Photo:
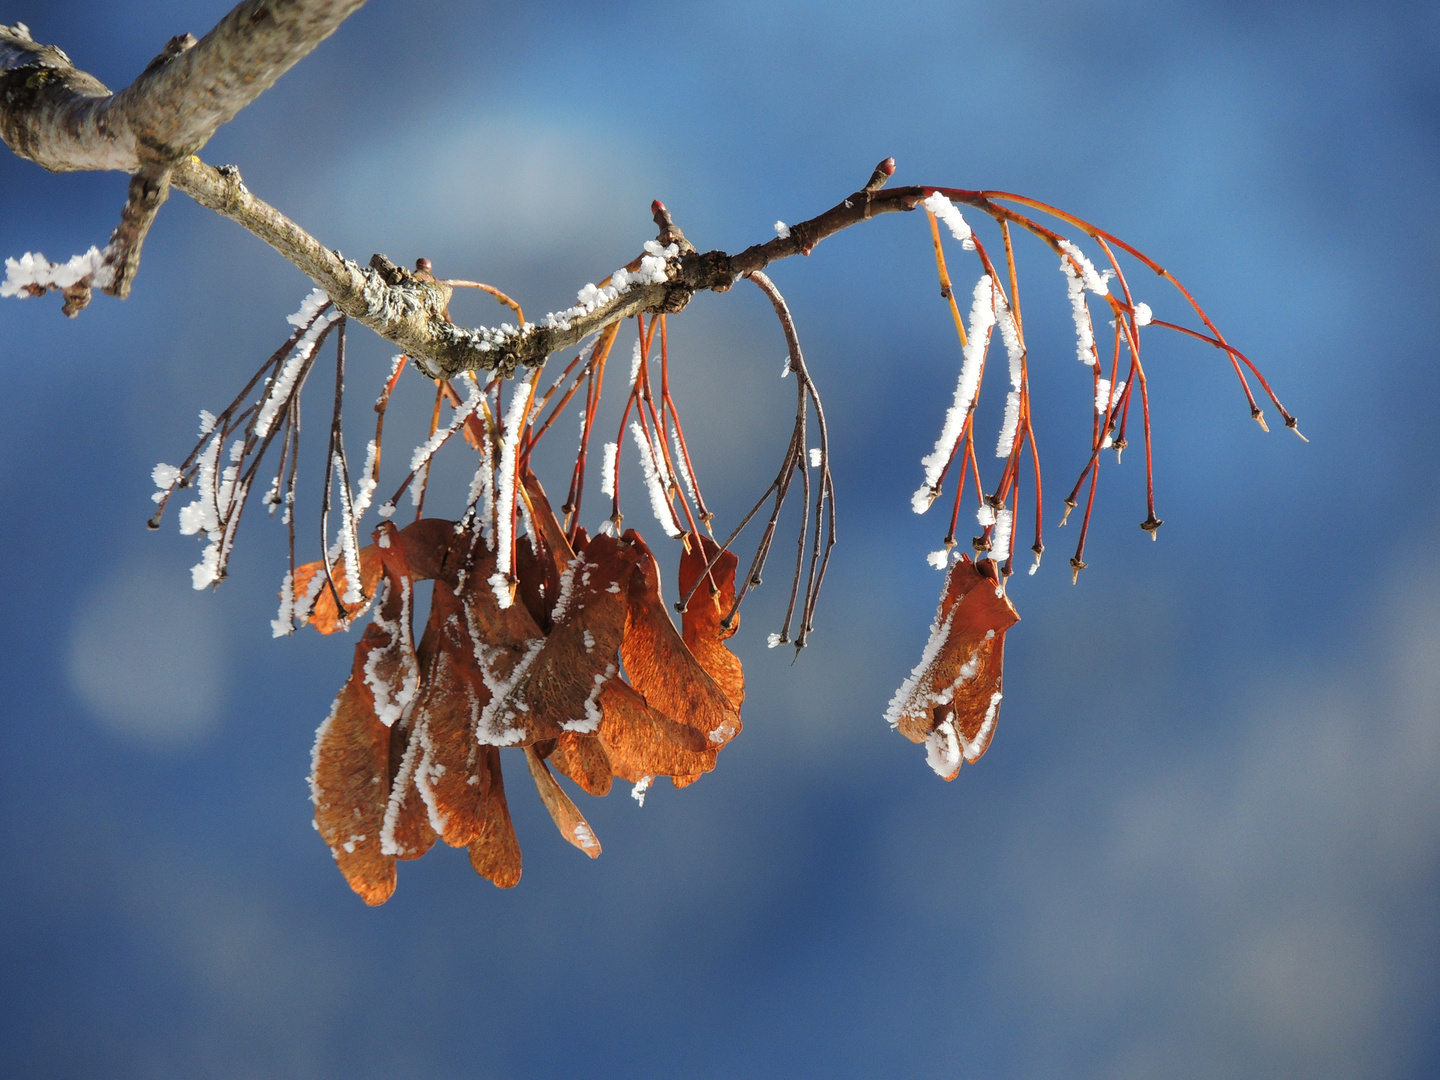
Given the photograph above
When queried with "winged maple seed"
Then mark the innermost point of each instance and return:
(951, 700)
(557, 645)
(410, 751)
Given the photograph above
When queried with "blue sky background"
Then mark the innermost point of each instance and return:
(1206, 839)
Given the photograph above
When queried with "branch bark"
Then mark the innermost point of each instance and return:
(65, 119)
(408, 309)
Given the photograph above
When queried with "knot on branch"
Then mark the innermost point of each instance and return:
(21, 52)
(500, 353)
(389, 272)
(710, 270)
(36, 79)
(391, 294)
(174, 47)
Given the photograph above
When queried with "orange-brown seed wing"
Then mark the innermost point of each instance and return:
(700, 623)
(452, 776)
(393, 676)
(427, 545)
(975, 705)
(315, 603)
(583, 759)
(495, 853)
(350, 781)
(641, 742)
(566, 814)
(505, 643)
(951, 700)
(660, 665)
(351, 773)
(558, 689)
(407, 833)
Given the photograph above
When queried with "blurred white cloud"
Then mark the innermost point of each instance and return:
(509, 186)
(147, 656)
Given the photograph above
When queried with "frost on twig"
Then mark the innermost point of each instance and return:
(34, 275)
(111, 268)
(982, 320)
(953, 220)
(222, 487)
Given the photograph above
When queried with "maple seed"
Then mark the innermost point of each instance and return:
(951, 701)
(1076, 565)
(1070, 504)
(1258, 415)
(1152, 526)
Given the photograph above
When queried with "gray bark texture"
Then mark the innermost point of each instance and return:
(64, 119)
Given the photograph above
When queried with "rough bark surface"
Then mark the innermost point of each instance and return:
(65, 119)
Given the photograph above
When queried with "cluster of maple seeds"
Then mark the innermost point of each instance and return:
(411, 749)
(531, 620)
(527, 636)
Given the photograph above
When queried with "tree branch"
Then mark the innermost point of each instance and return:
(174, 107)
(64, 119)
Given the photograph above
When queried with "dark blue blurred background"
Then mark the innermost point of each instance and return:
(1206, 841)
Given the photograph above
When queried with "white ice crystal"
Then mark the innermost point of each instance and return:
(982, 320)
(505, 495)
(607, 469)
(657, 478)
(945, 210)
(34, 270)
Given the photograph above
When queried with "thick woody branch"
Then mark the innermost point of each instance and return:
(63, 119)
(174, 107)
(55, 115)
